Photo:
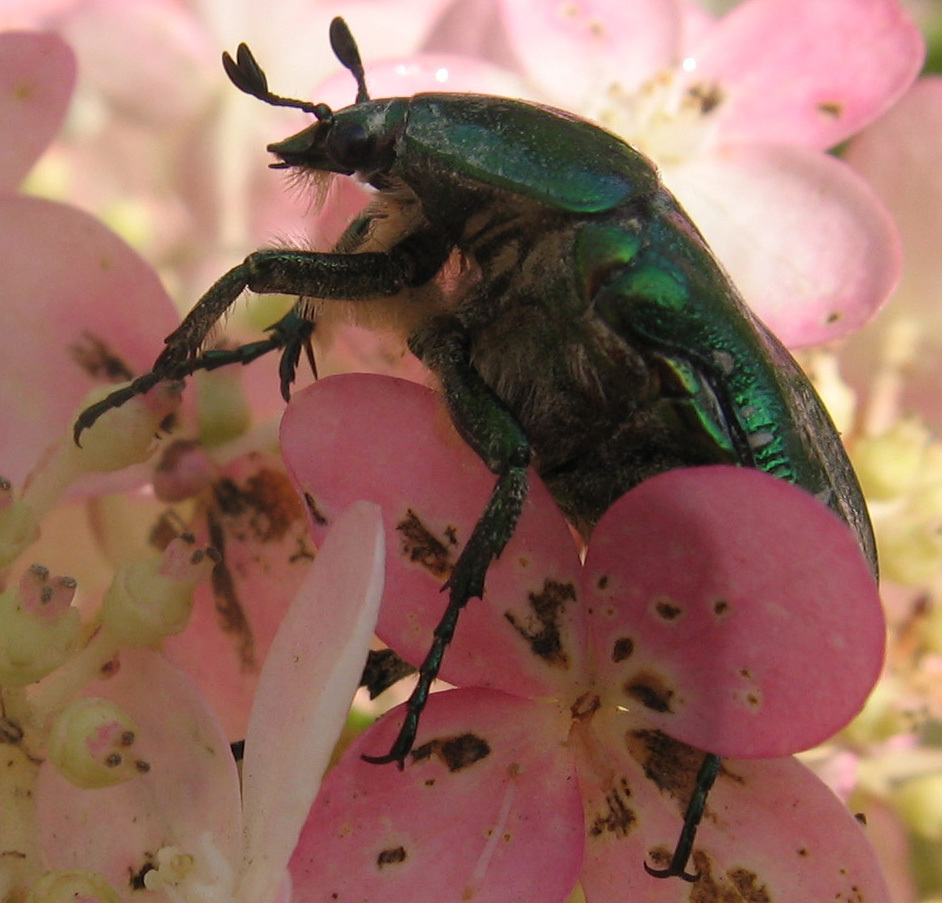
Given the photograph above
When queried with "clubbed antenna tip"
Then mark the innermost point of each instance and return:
(346, 50)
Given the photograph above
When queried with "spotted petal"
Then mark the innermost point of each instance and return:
(807, 73)
(771, 831)
(733, 610)
(806, 241)
(390, 441)
(189, 798)
(487, 809)
(79, 307)
(37, 74)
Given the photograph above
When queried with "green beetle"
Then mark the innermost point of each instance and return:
(589, 330)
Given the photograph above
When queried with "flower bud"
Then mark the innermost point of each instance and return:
(224, 410)
(150, 600)
(92, 744)
(126, 435)
(39, 628)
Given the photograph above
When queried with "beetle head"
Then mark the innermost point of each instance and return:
(357, 138)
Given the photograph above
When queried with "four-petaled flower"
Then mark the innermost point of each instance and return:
(717, 609)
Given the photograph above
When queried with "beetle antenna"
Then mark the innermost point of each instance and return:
(346, 50)
(246, 74)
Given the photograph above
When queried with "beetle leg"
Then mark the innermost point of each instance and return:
(677, 868)
(370, 275)
(495, 435)
(311, 274)
(291, 334)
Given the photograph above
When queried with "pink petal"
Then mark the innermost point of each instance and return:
(487, 809)
(304, 693)
(806, 72)
(37, 74)
(81, 306)
(189, 795)
(258, 524)
(806, 241)
(391, 441)
(899, 156)
(695, 25)
(734, 611)
(772, 831)
(163, 52)
(574, 51)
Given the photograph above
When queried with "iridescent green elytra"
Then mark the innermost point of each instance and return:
(588, 332)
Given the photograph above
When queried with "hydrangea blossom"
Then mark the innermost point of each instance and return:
(717, 608)
(737, 113)
(184, 829)
(87, 311)
(235, 188)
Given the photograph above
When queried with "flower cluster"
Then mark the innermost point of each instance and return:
(715, 610)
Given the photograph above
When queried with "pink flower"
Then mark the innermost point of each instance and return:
(70, 286)
(81, 311)
(182, 828)
(737, 114)
(717, 608)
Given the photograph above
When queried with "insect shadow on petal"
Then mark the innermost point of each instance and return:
(591, 333)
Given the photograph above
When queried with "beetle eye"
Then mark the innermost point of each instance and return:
(351, 145)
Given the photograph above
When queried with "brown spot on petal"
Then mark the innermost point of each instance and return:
(456, 753)
(618, 817)
(660, 857)
(392, 856)
(542, 628)
(383, 669)
(97, 359)
(831, 108)
(314, 510)
(670, 764)
(622, 648)
(602, 582)
(650, 690)
(263, 508)
(226, 598)
(667, 609)
(136, 877)
(748, 886)
(422, 547)
(721, 608)
(706, 97)
(737, 885)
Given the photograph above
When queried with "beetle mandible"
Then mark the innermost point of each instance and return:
(590, 333)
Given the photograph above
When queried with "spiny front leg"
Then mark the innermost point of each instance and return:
(311, 274)
(495, 435)
(179, 357)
